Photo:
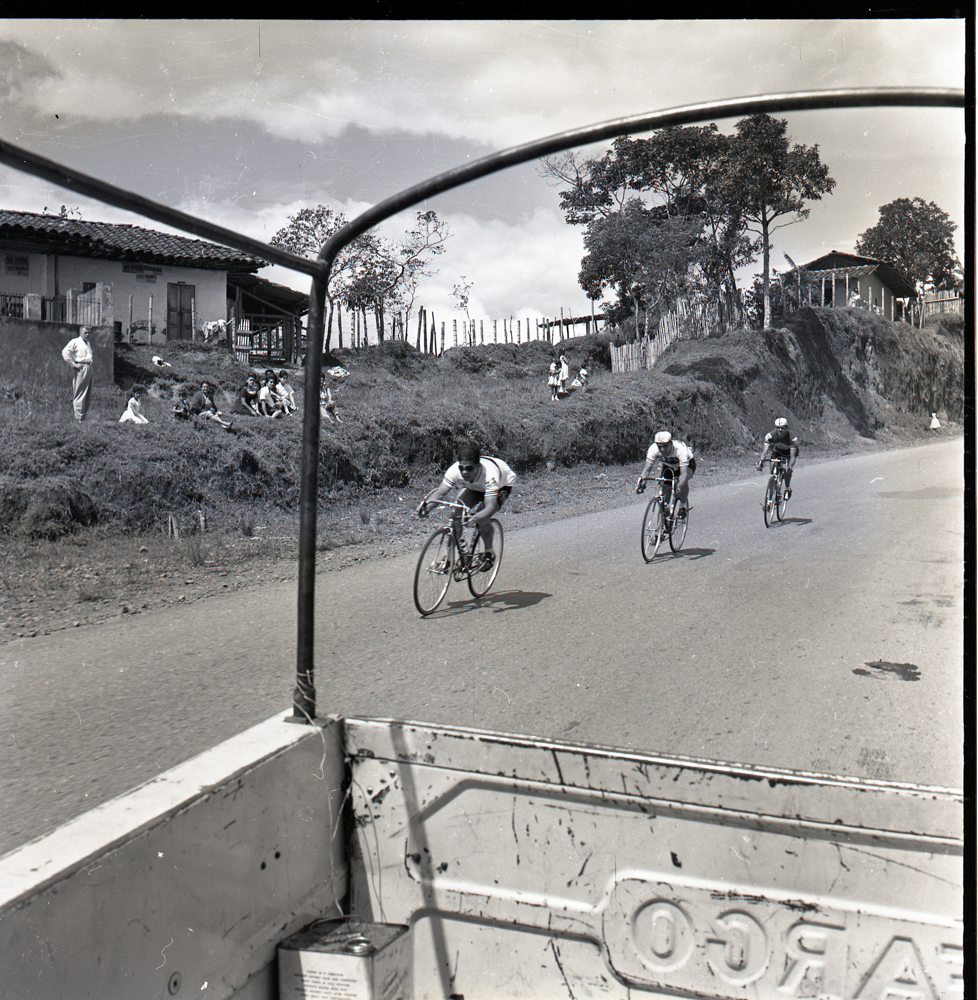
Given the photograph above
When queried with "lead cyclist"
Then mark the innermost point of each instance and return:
(485, 483)
(678, 464)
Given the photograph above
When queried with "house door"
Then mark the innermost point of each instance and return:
(179, 311)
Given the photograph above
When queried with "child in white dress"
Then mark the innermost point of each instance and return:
(134, 412)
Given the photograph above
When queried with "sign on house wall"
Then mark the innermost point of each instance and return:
(147, 273)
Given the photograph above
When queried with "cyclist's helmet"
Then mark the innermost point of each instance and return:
(663, 437)
(781, 422)
(469, 453)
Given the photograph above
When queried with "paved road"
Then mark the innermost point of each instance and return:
(829, 642)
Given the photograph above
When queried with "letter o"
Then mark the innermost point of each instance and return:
(662, 935)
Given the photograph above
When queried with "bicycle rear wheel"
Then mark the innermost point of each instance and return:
(770, 502)
(433, 573)
(678, 532)
(653, 529)
(782, 498)
(480, 580)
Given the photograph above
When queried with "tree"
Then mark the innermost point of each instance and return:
(645, 260)
(771, 179)
(460, 293)
(390, 278)
(918, 238)
(370, 271)
(677, 174)
(305, 234)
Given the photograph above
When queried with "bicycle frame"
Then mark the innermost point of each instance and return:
(304, 696)
(461, 519)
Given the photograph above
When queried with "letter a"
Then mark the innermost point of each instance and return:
(898, 975)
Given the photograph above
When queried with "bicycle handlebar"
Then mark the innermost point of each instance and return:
(451, 504)
(640, 488)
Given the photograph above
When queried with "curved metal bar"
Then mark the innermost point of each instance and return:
(75, 180)
(305, 694)
(811, 100)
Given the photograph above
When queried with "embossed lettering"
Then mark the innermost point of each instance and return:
(739, 951)
(817, 957)
(898, 975)
(663, 935)
(954, 957)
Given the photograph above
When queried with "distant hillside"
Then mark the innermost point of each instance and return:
(838, 374)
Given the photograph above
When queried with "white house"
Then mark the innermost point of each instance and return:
(163, 287)
(845, 278)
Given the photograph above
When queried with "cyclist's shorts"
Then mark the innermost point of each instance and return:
(472, 497)
(672, 471)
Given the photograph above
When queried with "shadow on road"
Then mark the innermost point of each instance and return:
(790, 520)
(505, 600)
(683, 554)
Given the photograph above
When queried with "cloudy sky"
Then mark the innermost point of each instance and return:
(245, 122)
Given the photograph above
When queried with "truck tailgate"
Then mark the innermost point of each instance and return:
(529, 868)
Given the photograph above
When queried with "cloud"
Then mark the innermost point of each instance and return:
(495, 82)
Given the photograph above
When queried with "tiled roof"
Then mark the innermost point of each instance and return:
(892, 277)
(280, 296)
(113, 241)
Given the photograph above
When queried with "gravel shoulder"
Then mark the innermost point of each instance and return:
(89, 578)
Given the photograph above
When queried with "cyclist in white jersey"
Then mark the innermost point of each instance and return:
(485, 484)
(678, 464)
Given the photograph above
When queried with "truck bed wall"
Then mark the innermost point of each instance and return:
(523, 868)
(185, 886)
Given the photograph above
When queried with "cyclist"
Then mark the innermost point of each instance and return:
(780, 443)
(678, 464)
(485, 484)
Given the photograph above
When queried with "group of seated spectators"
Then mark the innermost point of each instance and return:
(274, 398)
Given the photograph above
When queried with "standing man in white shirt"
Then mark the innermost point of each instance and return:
(78, 355)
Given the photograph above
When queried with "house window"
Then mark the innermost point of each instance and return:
(18, 265)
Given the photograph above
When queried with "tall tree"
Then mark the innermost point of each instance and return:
(370, 272)
(307, 231)
(390, 278)
(771, 179)
(918, 238)
(676, 174)
(648, 261)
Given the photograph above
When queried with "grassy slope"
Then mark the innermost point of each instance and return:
(839, 374)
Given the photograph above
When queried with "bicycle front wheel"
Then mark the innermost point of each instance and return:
(782, 499)
(653, 529)
(678, 532)
(480, 579)
(770, 502)
(433, 573)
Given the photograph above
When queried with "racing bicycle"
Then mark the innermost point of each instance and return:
(662, 520)
(776, 495)
(449, 555)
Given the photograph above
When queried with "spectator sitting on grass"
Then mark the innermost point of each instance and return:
(269, 404)
(133, 413)
(285, 392)
(327, 408)
(202, 404)
(247, 399)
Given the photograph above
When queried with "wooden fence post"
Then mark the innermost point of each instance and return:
(495, 337)
(482, 333)
(443, 337)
